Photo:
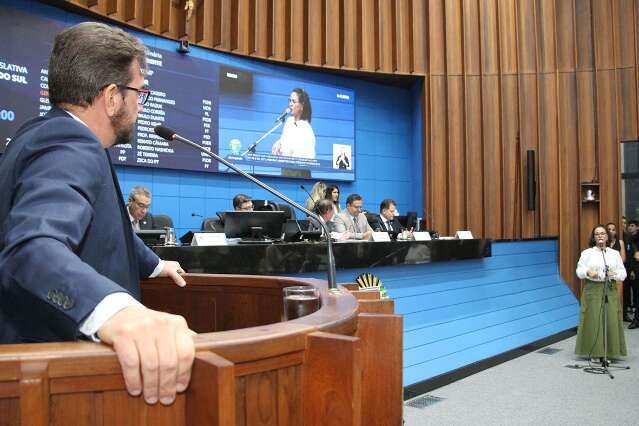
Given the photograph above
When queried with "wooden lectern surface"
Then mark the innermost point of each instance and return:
(250, 368)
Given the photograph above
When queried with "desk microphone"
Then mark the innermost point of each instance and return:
(170, 135)
(196, 215)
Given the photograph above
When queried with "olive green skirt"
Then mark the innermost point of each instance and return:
(590, 342)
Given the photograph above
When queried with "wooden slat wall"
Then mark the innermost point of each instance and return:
(558, 77)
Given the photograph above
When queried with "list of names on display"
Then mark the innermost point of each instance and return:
(184, 100)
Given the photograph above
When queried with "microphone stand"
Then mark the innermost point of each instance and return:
(605, 364)
(257, 142)
(164, 133)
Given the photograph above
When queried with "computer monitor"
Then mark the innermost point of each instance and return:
(254, 225)
(152, 237)
(300, 230)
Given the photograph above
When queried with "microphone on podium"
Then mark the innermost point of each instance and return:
(170, 135)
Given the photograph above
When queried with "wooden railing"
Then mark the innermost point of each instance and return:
(338, 366)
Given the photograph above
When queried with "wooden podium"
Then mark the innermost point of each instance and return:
(341, 365)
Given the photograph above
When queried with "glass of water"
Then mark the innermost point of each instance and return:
(300, 301)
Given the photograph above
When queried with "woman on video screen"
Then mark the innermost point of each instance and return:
(298, 138)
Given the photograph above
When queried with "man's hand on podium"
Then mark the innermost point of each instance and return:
(174, 271)
(155, 350)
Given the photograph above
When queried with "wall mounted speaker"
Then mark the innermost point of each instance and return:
(531, 185)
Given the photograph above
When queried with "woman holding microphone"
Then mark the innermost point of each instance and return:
(600, 266)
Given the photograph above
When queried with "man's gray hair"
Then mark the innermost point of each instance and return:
(138, 190)
(88, 57)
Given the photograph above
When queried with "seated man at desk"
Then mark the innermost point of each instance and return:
(138, 206)
(352, 220)
(242, 202)
(386, 220)
(326, 211)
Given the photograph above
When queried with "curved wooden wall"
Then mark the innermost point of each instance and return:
(502, 77)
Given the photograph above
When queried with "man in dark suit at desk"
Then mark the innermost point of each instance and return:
(138, 206)
(352, 221)
(386, 220)
(70, 263)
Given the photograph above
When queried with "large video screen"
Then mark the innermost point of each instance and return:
(265, 123)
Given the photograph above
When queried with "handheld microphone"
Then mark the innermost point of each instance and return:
(170, 135)
(283, 115)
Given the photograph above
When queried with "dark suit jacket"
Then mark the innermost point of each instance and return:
(148, 223)
(379, 224)
(66, 238)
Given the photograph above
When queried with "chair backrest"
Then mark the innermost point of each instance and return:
(371, 218)
(212, 224)
(161, 221)
(264, 205)
(290, 212)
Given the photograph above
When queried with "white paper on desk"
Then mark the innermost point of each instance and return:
(381, 236)
(421, 236)
(201, 239)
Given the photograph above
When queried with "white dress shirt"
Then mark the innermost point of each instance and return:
(596, 259)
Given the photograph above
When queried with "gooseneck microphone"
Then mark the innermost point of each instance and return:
(309, 194)
(283, 115)
(170, 135)
(196, 215)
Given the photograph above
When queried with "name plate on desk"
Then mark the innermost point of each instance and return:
(381, 236)
(208, 239)
(464, 235)
(421, 236)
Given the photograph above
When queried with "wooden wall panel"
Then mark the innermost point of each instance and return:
(489, 38)
(474, 155)
(457, 159)
(569, 189)
(549, 178)
(438, 163)
(454, 48)
(472, 58)
(607, 146)
(507, 37)
(491, 135)
(585, 54)
(564, 11)
(526, 37)
(562, 75)
(436, 38)
(529, 140)
(545, 15)
(624, 33)
(404, 46)
(603, 34)
(511, 159)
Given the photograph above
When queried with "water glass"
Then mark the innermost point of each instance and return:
(300, 301)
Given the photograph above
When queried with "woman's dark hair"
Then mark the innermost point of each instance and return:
(302, 97)
(592, 241)
(88, 57)
(329, 192)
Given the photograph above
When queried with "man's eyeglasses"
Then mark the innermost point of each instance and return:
(143, 94)
(142, 205)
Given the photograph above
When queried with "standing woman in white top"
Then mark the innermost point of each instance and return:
(298, 138)
(595, 264)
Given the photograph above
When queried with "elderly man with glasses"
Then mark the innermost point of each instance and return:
(138, 206)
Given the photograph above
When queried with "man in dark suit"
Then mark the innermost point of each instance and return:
(138, 205)
(386, 220)
(70, 263)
